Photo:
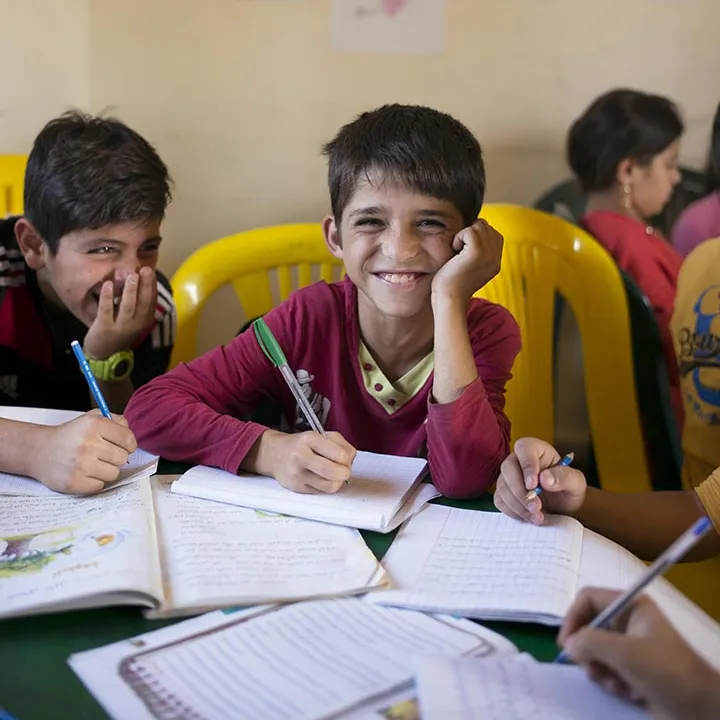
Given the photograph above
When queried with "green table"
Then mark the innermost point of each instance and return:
(36, 682)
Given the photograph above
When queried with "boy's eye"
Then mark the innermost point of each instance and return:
(369, 222)
(432, 224)
(150, 247)
(103, 250)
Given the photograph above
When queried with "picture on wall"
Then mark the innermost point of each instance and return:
(408, 27)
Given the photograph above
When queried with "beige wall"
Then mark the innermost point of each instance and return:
(238, 95)
(43, 65)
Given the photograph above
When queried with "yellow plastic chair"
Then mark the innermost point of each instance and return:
(544, 254)
(12, 179)
(250, 262)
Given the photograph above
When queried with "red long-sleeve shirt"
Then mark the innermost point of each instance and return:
(654, 265)
(193, 412)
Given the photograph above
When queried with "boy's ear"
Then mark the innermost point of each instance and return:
(31, 245)
(332, 236)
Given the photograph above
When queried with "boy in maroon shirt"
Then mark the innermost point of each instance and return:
(397, 358)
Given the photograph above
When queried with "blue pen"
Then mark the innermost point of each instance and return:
(5, 715)
(673, 554)
(567, 460)
(91, 381)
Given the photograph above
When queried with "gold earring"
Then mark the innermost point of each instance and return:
(627, 197)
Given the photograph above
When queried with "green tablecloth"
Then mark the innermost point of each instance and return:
(37, 683)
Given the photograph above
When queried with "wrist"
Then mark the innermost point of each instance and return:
(448, 301)
(38, 436)
(265, 453)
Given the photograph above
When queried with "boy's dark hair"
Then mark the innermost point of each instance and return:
(419, 148)
(86, 172)
(712, 173)
(620, 125)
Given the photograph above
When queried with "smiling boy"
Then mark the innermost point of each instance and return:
(400, 358)
(80, 265)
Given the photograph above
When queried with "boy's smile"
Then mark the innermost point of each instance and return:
(71, 279)
(392, 241)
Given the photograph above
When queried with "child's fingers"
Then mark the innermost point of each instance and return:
(506, 503)
(333, 447)
(128, 299)
(147, 291)
(534, 455)
(317, 484)
(326, 469)
(106, 312)
(512, 477)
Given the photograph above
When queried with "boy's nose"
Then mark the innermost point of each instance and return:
(122, 273)
(400, 246)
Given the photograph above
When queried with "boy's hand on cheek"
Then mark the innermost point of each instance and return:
(114, 331)
(310, 463)
(479, 252)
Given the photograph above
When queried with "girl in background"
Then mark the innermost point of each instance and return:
(701, 220)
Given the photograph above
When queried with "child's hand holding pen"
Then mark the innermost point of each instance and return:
(309, 462)
(303, 462)
(534, 478)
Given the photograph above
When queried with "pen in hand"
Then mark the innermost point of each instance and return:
(91, 381)
(270, 346)
(567, 460)
(673, 554)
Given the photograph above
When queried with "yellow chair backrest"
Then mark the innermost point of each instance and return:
(543, 255)
(12, 179)
(253, 262)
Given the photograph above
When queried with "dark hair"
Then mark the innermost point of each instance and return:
(712, 174)
(620, 125)
(417, 147)
(86, 172)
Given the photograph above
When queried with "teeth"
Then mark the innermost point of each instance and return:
(398, 278)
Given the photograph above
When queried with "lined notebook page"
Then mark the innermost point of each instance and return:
(217, 555)
(483, 565)
(606, 564)
(513, 688)
(303, 661)
(377, 490)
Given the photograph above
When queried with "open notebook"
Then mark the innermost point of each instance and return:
(383, 491)
(143, 545)
(487, 566)
(513, 687)
(140, 464)
(316, 659)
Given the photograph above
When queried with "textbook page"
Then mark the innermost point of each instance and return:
(63, 552)
(140, 463)
(513, 688)
(215, 555)
(378, 488)
(309, 660)
(604, 563)
(483, 565)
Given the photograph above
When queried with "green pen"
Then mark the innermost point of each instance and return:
(270, 346)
